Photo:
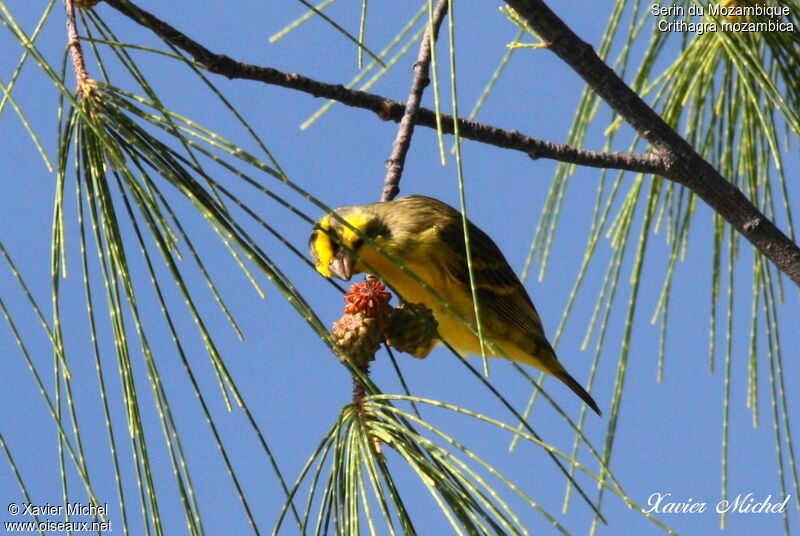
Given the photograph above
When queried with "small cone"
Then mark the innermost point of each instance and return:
(359, 336)
(369, 297)
(366, 313)
(413, 330)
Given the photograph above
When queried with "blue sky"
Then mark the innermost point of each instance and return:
(668, 438)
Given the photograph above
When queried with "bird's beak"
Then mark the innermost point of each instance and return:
(342, 265)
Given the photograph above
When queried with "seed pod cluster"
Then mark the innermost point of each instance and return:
(368, 319)
(413, 330)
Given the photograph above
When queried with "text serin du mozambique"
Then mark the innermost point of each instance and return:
(719, 10)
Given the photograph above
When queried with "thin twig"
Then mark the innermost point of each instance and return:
(81, 76)
(402, 141)
(360, 393)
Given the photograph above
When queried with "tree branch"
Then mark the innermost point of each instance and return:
(421, 80)
(390, 109)
(684, 165)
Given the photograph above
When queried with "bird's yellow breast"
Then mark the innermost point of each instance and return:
(427, 263)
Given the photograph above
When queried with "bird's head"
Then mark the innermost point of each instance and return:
(334, 244)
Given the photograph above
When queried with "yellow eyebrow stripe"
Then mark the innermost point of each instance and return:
(323, 246)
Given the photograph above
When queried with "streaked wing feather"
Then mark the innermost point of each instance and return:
(499, 288)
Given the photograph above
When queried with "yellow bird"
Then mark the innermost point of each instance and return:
(426, 235)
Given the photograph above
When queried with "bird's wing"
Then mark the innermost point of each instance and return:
(498, 288)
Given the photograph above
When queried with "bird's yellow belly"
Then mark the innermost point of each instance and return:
(451, 326)
(496, 343)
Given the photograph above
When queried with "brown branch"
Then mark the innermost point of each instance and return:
(683, 164)
(389, 109)
(406, 129)
(81, 76)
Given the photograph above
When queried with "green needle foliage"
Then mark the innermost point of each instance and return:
(349, 478)
(730, 94)
(133, 177)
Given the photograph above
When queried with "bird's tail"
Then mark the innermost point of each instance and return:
(542, 356)
(577, 388)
